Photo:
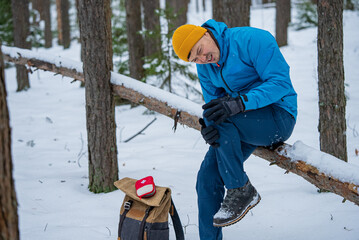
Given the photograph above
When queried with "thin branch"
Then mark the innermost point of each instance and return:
(81, 153)
(109, 231)
(140, 132)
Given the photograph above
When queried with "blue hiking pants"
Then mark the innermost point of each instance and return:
(223, 166)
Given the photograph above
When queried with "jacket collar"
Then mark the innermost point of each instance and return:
(217, 32)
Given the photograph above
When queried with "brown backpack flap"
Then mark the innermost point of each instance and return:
(127, 185)
(161, 201)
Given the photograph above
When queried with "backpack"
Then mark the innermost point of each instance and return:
(146, 218)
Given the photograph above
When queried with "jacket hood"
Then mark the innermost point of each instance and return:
(218, 30)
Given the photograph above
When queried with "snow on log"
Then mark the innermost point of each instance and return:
(166, 103)
(321, 169)
(57, 64)
(318, 168)
(151, 97)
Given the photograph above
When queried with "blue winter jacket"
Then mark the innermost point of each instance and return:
(251, 65)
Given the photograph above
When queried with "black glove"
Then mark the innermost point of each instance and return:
(209, 134)
(220, 109)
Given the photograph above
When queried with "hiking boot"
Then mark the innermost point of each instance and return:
(236, 204)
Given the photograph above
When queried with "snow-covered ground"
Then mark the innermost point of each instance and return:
(50, 155)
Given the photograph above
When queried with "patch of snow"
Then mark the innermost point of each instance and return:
(324, 162)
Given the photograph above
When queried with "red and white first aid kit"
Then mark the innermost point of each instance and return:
(145, 187)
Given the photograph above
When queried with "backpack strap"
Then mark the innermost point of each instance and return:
(177, 225)
(127, 207)
(143, 223)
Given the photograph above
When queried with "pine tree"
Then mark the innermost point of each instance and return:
(234, 13)
(20, 17)
(119, 37)
(63, 23)
(282, 20)
(136, 46)
(332, 101)
(9, 228)
(307, 15)
(95, 30)
(6, 25)
(165, 64)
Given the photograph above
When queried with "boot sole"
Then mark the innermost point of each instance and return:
(231, 222)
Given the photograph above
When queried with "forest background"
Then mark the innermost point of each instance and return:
(49, 136)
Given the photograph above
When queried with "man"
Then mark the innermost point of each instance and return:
(250, 102)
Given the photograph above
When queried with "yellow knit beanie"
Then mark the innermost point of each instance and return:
(184, 38)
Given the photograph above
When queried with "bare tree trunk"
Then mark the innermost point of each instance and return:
(152, 24)
(180, 9)
(8, 218)
(46, 16)
(63, 23)
(78, 22)
(95, 29)
(217, 11)
(332, 101)
(282, 21)
(244, 14)
(135, 40)
(20, 15)
(43, 7)
(37, 5)
(82, 49)
(232, 12)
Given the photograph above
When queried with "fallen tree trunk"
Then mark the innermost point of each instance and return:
(348, 190)
(126, 93)
(45, 65)
(310, 173)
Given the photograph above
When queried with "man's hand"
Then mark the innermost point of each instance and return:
(209, 134)
(220, 109)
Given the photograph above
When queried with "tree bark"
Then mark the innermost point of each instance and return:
(20, 15)
(8, 218)
(152, 24)
(95, 29)
(282, 21)
(43, 7)
(217, 11)
(46, 16)
(136, 46)
(63, 23)
(332, 101)
(310, 173)
(77, 18)
(179, 9)
(232, 12)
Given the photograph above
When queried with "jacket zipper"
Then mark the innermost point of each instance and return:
(223, 77)
(215, 40)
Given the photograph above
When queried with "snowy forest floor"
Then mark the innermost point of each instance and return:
(49, 152)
